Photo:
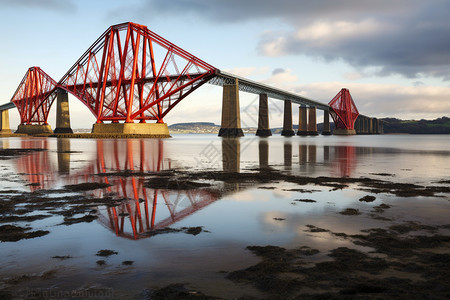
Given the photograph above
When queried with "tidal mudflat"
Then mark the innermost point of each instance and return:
(200, 217)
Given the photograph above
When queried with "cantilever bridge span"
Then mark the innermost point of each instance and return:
(130, 76)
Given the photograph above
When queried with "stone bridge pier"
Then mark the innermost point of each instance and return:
(231, 121)
(62, 112)
(231, 115)
(367, 125)
(4, 122)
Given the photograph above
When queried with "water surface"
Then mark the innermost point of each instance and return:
(242, 214)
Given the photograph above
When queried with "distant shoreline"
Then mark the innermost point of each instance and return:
(390, 125)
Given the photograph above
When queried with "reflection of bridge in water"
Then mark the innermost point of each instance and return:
(126, 165)
(36, 167)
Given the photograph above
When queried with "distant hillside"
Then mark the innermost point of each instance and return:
(437, 126)
(391, 125)
(194, 127)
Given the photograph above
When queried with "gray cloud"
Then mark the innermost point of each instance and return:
(278, 71)
(407, 37)
(55, 5)
(238, 10)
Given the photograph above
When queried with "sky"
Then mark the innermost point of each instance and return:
(393, 56)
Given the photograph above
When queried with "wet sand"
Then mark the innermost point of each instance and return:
(400, 260)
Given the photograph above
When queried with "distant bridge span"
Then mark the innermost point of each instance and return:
(246, 85)
(130, 74)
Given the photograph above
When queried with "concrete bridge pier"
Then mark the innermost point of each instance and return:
(231, 116)
(358, 125)
(302, 121)
(4, 122)
(62, 112)
(263, 117)
(312, 123)
(32, 129)
(376, 126)
(370, 123)
(364, 125)
(287, 120)
(326, 123)
(367, 125)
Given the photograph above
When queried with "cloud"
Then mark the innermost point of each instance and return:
(278, 71)
(232, 11)
(55, 5)
(353, 75)
(407, 37)
(413, 43)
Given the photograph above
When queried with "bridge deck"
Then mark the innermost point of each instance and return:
(249, 86)
(6, 106)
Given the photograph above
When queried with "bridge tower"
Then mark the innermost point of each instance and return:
(131, 76)
(33, 98)
(344, 113)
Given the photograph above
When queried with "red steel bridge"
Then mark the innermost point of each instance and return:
(132, 75)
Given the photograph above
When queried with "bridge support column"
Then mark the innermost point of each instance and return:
(312, 123)
(358, 125)
(302, 121)
(381, 127)
(326, 123)
(370, 121)
(231, 117)
(365, 127)
(375, 126)
(4, 122)
(287, 120)
(263, 117)
(34, 129)
(62, 112)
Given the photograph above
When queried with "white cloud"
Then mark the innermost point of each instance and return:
(353, 75)
(326, 32)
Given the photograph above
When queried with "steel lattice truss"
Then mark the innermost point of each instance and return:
(34, 96)
(343, 110)
(131, 73)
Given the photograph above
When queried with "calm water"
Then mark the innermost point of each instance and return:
(246, 215)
